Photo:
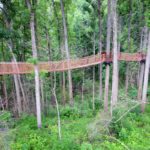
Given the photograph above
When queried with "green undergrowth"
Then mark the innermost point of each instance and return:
(82, 128)
(132, 132)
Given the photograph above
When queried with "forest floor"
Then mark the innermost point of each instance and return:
(81, 129)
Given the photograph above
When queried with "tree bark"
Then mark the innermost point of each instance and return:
(4, 80)
(67, 53)
(93, 101)
(36, 68)
(100, 50)
(129, 47)
(142, 64)
(119, 33)
(62, 75)
(141, 77)
(146, 76)
(17, 80)
(106, 92)
(4, 92)
(64, 87)
(82, 90)
(42, 94)
(57, 107)
(114, 96)
(49, 55)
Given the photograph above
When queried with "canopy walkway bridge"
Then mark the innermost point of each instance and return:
(63, 65)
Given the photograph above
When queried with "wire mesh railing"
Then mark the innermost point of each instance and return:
(62, 65)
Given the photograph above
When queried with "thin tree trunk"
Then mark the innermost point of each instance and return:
(67, 53)
(114, 97)
(16, 77)
(62, 75)
(146, 76)
(82, 90)
(27, 97)
(37, 94)
(16, 80)
(64, 87)
(24, 98)
(17, 95)
(142, 68)
(36, 68)
(145, 42)
(100, 50)
(42, 94)
(142, 64)
(63, 78)
(141, 40)
(129, 47)
(58, 24)
(4, 80)
(127, 78)
(5, 92)
(119, 34)
(50, 74)
(49, 55)
(119, 43)
(23, 94)
(93, 101)
(57, 107)
(106, 92)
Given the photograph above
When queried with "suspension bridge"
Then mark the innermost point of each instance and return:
(7, 68)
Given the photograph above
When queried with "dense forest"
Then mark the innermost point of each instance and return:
(101, 105)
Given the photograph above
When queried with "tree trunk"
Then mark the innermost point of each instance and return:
(145, 42)
(119, 33)
(23, 94)
(142, 64)
(37, 94)
(100, 50)
(62, 75)
(82, 90)
(146, 76)
(42, 94)
(115, 57)
(18, 97)
(4, 80)
(106, 92)
(23, 104)
(67, 53)
(63, 78)
(5, 92)
(57, 107)
(141, 77)
(36, 68)
(93, 101)
(64, 87)
(16, 77)
(49, 55)
(127, 78)
(129, 47)
(16, 80)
